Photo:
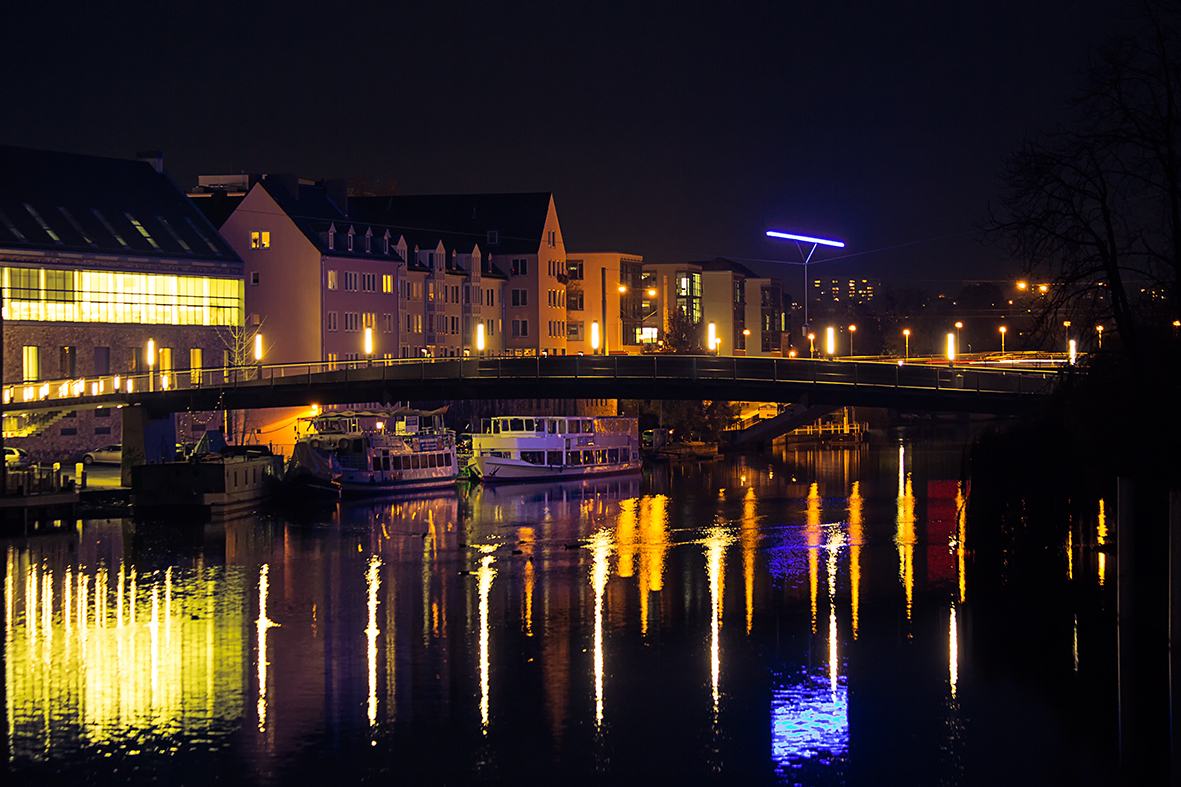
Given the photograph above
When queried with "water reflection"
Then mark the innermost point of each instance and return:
(455, 633)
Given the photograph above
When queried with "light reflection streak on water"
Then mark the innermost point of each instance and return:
(601, 544)
(263, 624)
(953, 651)
(486, 573)
(525, 537)
(373, 582)
(961, 540)
(653, 549)
(1101, 536)
(855, 536)
(1070, 553)
(1076, 643)
(716, 541)
(750, 542)
(904, 536)
(836, 540)
(813, 534)
(808, 718)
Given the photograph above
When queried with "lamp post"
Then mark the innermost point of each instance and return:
(906, 341)
(1099, 330)
(1003, 329)
(958, 325)
(852, 330)
(950, 349)
(595, 337)
(811, 345)
(369, 346)
(258, 353)
(802, 239)
(480, 337)
(712, 334)
(830, 341)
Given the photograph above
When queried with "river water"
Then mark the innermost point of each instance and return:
(805, 618)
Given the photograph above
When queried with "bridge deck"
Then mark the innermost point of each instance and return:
(912, 386)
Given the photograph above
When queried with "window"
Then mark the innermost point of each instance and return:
(260, 240)
(369, 282)
(387, 282)
(67, 365)
(253, 278)
(553, 238)
(140, 229)
(32, 363)
(574, 301)
(575, 331)
(574, 269)
(350, 281)
(196, 363)
(493, 237)
(332, 283)
(165, 354)
(48, 230)
(102, 360)
(352, 321)
(107, 225)
(368, 320)
(455, 326)
(491, 297)
(520, 267)
(135, 364)
(520, 297)
(331, 324)
(520, 328)
(388, 323)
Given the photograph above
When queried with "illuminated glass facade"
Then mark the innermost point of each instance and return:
(48, 295)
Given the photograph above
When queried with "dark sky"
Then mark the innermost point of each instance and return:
(672, 130)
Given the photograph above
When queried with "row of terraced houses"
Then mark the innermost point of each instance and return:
(101, 255)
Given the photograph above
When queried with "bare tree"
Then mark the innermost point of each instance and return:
(1094, 210)
(239, 344)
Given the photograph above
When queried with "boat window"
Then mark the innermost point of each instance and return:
(589, 426)
(553, 457)
(414, 463)
(444, 461)
(551, 426)
(486, 426)
(516, 424)
(496, 426)
(588, 457)
(562, 426)
(575, 426)
(613, 456)
(533, 457)
(528, 424)
(540, 426)
(574, 457)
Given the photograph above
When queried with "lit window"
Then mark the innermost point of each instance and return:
(387, 282)
(48, 230)
(142, 231)
(254, 278)
(175, 236)
(32, 363)
(331, 279)
(107, 225)
(260, 240)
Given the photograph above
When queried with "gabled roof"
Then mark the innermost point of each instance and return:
(723, 264)
(518, 220)
(314, 213)
(90, 205)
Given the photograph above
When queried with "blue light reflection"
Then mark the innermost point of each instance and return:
(808, 718)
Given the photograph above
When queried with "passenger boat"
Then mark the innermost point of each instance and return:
(311, 478)
(217, 486)
(517, 448)
(384, 452)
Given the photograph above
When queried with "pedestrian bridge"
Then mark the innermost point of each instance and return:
(915, 386)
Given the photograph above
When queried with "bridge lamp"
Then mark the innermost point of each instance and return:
(651, 293)
(951, 348)
(712, 334)
(811, 345)
(622, 289)
(803, 239)
(595, 336)
(130, 385)
(1003, 331)
(852, 330)
(480, 337)
(906, 341)
(830, 340)
(1099, 329)
(258, 348)
(1073, 351)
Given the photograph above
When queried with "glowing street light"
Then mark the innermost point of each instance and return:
(830, 340)
(595, 336)
(1099, 330)
(906, 341)
(951, 348)
(852, 330)
(802, 239)
(712, 334)
(480, 337)
(811, 345)
(369, 345)
(958, 325)
(1003, 330)
(1073, 351)
(258, 353)
(1023, 286)
(151, 364)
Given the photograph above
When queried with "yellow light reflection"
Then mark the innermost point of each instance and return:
(855, 537)
(601, 548)
(525, 537)
(904, 536)
(263, 624)
(654, 547)
(813, 534)
(1101, 534)
(373, 581)
(716, 541)
(750, 543)
(485, 574)
(961, 547)
(836, 540)
(953, 651)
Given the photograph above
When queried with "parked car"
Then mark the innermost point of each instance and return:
(16, 457)
(108, 454)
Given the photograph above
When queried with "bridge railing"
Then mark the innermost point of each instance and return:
(657, 367)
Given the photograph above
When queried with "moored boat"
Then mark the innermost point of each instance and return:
(518, 448)
(388, 451)
(209, 485)
(312, 477)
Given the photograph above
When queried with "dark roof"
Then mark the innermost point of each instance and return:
(517, 219)
(723, 264)
(90, 205)
(217, 206)
(315, 213)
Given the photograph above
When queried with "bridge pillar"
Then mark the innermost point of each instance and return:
(147, 439)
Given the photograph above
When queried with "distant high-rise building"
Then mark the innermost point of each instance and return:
(846, 291)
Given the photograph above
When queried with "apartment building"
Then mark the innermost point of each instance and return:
(605, 292)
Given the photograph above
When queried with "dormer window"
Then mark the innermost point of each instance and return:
(369, 241)
(386, 243)
(331, 237)
(351, 233)
(493, 237)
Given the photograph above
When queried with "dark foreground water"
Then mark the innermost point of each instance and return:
(800, 619)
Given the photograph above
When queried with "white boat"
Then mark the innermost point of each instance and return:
(387, 452)
(520, 448)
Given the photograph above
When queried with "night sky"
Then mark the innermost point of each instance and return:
(675, 131)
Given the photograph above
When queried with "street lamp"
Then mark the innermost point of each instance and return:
(595, 337)
(480, 336)
(1099, 330)
(712, 333)
(958, 325)
(811, 345)
(1003, 330)
(906, 341)
(950, 348)
(830, 340)
(852, 330)
(1073, 351)
(258, 353)
(800, 239)
(369, 345)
